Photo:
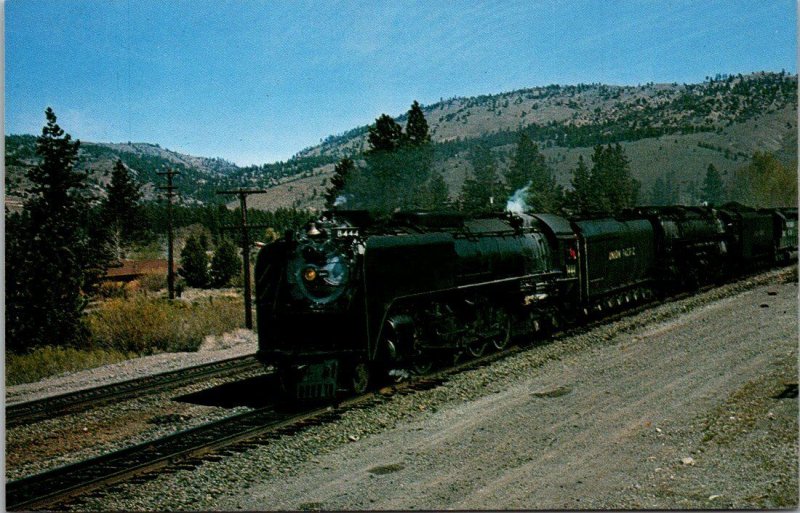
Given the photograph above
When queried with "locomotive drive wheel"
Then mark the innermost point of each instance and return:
(502, 321)
(359, 379)
(422, 365)
(476, 348)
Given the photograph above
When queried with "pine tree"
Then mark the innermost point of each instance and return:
(120, 210)
(398, 165)
(581, 199)
(385, 134)
(225, 264)
(194, 263)
(482, 192)
(526, 158)
(341, 173)
(658, 192)
(417, 126)
(665, 190)
(437, 195)
(713, 188)
(611, 178)
(52, 259)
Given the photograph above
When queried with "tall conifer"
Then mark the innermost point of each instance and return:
(713, 188)
(417, 126)
(46, 291)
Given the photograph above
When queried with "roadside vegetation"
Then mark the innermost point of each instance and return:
(129, 327)
(63, 314)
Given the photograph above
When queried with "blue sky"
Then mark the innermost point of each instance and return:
(257, 81)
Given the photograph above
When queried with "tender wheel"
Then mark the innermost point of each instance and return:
(359, 381)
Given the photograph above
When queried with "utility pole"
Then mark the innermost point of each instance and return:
(169, 173)
(248, 300)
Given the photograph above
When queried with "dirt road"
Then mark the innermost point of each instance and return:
(683, 413)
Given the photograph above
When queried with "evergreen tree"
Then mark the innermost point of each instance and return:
(225, 264)
(527, 160)
(611, 179)
(417, 126)
(194, 263)
(665, 191)
(385, 134)
(482, 192)
(340, 176)
(397, 166)
(658, 192)
(120, 210)
(437, 195)
(713, 188)
(581, 199)
(51, 259)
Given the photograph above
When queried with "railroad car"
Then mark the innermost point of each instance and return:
(617, 262)
(751, 235)
(691, 247)
(785, 232)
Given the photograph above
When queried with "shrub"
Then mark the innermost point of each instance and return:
(50, 361)
(194, 263)
(225, 265)
(148, 325)
(110, 289)
(153, 282)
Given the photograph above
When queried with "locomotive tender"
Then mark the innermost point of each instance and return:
(352, 297)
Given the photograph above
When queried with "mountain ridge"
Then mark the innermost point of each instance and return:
(665, 128)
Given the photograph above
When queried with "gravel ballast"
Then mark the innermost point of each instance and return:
(675, 407)
(214, 348)
(41, 446)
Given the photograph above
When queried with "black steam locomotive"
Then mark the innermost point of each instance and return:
(354, 297)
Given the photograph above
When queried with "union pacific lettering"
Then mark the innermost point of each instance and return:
(621, 253)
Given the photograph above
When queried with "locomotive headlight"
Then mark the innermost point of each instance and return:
(320, 273)
(309, 274)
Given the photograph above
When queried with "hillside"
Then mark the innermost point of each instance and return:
(666, 129)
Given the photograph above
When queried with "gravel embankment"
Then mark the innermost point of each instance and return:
(40, 446)
(676, 407)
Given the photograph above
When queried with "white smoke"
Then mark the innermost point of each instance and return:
(340, 200)
(516, 203)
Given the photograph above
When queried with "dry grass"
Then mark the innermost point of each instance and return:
(122, 329)
(50, 361)
(147, 325)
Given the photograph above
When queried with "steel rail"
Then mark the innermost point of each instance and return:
(81, 400)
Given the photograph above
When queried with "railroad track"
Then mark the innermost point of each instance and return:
(73, 402)
(238, 432)
(241, 431)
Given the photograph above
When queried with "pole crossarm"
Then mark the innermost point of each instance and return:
(231, 227)
(243, 191)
